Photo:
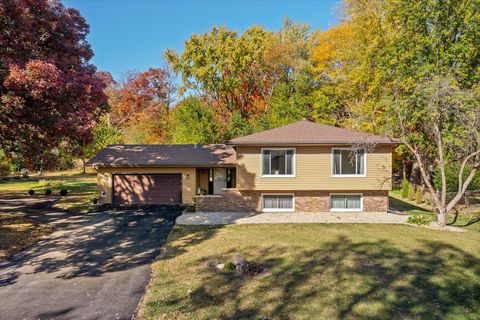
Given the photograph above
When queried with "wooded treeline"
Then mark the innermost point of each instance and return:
(409, 69)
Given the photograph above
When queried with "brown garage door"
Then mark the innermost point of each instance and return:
(144, 189)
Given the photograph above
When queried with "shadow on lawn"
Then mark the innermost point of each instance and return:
(346, 279)
(403, 206)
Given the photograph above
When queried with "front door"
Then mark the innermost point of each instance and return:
(220, 180)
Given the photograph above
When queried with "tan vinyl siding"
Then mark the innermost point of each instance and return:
(104, 180)
(314, 171)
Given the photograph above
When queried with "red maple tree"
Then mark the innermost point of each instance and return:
(49, 92)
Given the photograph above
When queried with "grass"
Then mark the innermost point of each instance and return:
(73, 183)
(467, 218)
(17, 233)
(318, 272)
(81, 188)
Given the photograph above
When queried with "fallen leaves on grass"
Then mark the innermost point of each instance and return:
(76, 203)
(17, 233)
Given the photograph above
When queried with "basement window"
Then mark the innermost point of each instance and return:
(278, 202)
(346, 202)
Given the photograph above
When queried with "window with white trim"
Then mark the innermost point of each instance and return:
(277, 202)
(346, 202)
(348, 162)
(278, 162)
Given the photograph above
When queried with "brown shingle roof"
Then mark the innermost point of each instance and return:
(307, 132)
(159, 155)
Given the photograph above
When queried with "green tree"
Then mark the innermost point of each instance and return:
(287, 106)
(225, 67)
(104, 134)
(238, 126)
(431, 65)
(411, 70)
(195, 122)
(288, 57)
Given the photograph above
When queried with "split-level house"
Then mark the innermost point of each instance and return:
(300, 167)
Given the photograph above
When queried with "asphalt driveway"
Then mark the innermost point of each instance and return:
(93, 266)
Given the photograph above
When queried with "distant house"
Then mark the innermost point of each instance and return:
(301, 167)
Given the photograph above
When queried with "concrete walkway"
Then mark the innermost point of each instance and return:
(219, 218)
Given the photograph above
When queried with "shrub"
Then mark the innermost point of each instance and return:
(428, 201)
(405, 186)
(94, 200)
(31, 192)
(411, 192)
(48, 192)
(50, 183)
(419, 195)
(252, 268)
(63, 192)
(229, 267)
(5, 169)
(419, 219)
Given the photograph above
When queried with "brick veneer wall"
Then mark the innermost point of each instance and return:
(233, 200)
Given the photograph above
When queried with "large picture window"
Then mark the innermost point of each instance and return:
(348, 162)
(278, 162)
(346, 202)
(277, 202)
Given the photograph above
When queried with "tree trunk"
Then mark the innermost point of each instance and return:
(84, 166)
(441, 218)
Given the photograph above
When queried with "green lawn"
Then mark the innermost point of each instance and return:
(318, 272)
(73, 183)
(467, 218)
(81, 188)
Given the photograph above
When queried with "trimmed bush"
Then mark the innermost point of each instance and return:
(63, 192)
(229, 267)
(405, 186)
(48, 192)
(31, 192)
(419, 219)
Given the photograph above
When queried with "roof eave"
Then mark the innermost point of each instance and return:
(296, 143)
(110, 165)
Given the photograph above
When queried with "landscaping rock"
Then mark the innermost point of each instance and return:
(210, 263)
(220, 266)
(239, 260)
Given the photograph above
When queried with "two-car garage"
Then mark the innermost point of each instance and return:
(147, 189)
(155, 174)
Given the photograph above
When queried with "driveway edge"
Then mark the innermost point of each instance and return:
(137, 313)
